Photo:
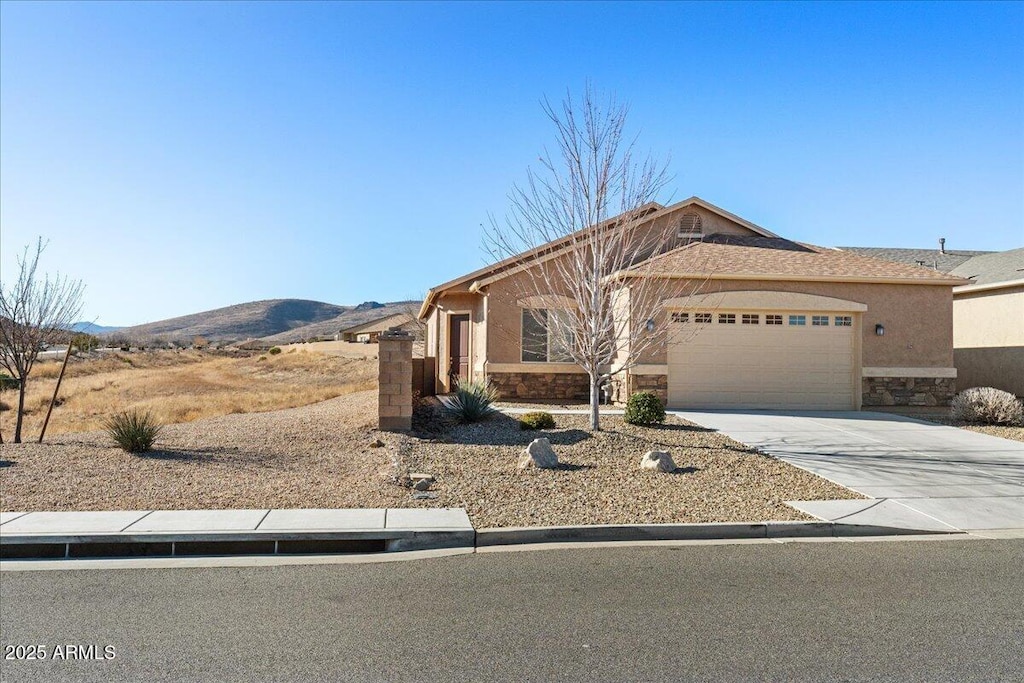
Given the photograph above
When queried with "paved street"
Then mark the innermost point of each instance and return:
(945, 610)
(922, 475)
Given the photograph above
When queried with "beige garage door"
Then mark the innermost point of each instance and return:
(762, 359)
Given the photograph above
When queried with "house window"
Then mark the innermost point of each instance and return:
(704, 318)
(690, 226)
(678, 317)
(726, 318)
(545, 336)
(844, 321)
(819, 320)
(798, 320)
(751, 319)
(773, 320)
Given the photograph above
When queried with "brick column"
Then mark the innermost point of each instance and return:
(394, 402)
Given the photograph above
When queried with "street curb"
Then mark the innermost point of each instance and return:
(687, 532)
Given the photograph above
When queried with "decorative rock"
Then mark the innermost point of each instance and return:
(424, 496)
(376, 443)
(539, 454)
(660, 461)
(421, 475)
(422, 484)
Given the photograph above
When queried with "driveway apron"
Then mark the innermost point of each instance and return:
(919, 474)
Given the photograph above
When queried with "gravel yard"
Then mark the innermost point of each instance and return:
(1002, 431)
(941, 416)
(320, 456)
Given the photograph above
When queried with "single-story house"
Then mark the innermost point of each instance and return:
(765, 322)
(369, 332)
(988, 311)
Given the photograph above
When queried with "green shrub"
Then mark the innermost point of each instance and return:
(644, 408)
(986, 405)
(274, 350)
(538, 420)
(133, 431)
(8, 382)
(471, 401)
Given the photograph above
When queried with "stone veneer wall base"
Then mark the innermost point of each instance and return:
(541, 385)
(907, 391)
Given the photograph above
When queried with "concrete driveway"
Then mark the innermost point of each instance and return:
(919, 474)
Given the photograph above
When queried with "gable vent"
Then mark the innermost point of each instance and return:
(690, 226)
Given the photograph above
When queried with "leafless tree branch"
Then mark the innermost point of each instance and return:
(577, 223)
(36, 311)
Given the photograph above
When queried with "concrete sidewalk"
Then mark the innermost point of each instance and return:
(193, 532)
(919, 474)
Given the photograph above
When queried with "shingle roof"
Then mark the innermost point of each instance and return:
(993, 267)
(730, 255)
(944, 262)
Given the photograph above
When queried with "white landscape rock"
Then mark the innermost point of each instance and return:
(539, 454)
(660, 461)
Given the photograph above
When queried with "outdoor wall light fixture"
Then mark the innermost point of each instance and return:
(650, 325)
(880, 329)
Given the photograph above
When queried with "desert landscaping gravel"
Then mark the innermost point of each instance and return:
(322, 456)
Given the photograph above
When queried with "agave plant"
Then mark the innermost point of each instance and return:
(471, 400)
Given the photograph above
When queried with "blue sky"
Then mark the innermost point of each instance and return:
(185, 156)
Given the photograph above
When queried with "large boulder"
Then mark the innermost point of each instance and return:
(539, 454)
(659, 461)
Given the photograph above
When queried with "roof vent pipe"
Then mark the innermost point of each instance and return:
(942, 245)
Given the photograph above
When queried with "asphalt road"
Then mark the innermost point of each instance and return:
(905, 611)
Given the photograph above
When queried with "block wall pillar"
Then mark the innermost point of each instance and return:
(394, 401)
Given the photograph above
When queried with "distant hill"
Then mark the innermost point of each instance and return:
(356, 315)
(243, 321)
(90, 328)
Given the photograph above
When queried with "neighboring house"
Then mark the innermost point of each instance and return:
(988, 312)
(775, 324)
(369, 333)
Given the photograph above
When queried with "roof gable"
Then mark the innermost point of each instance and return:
(648, 213)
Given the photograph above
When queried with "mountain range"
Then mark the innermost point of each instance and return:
(93, 328)
(276, 321)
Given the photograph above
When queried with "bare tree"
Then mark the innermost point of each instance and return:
(576, 225)
(36, 311)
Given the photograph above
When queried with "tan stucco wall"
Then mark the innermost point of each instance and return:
(918, 319)
(988, 339)
(451, 304)
(989, 319)
(503, 313)
(1002, 368)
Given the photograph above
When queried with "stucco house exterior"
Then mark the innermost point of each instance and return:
(369, 332)
(764, 323)
(988, 311)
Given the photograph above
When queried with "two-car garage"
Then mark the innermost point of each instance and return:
(764, 350)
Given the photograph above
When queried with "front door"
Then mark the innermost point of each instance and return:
(458, 349)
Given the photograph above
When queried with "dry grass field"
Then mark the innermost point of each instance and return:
(182, 386)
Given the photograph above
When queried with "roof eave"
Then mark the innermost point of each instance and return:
(970, 288)
(621, 275)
